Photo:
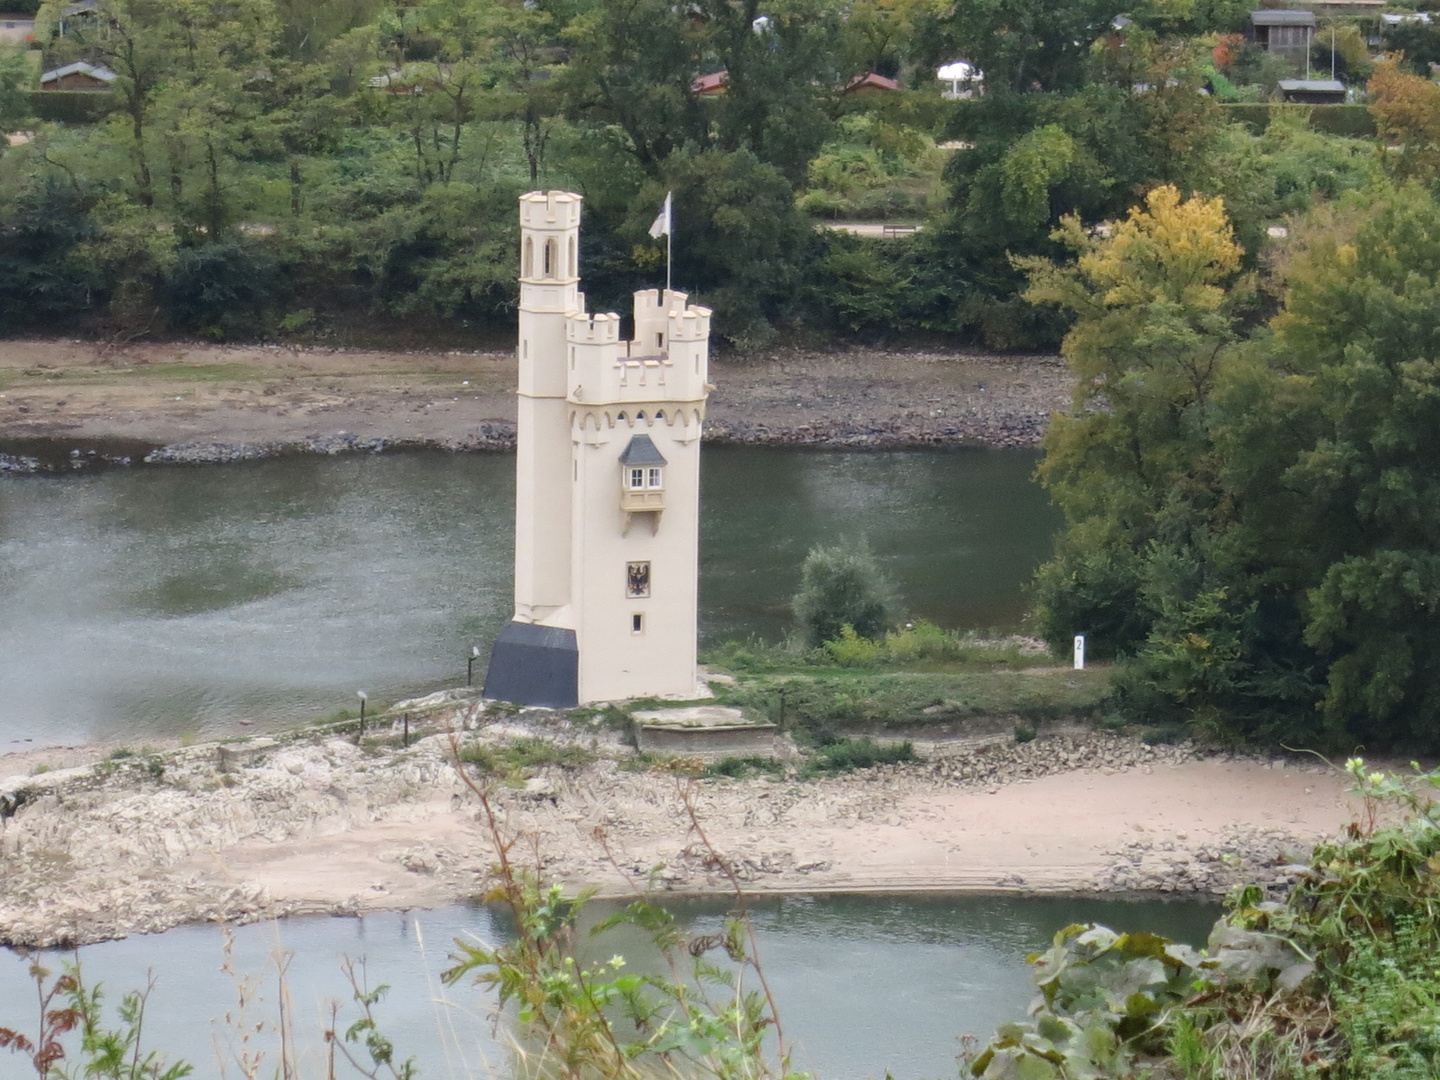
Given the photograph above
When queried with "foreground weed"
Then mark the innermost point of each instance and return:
(1338, 981)
(598, 1020)
(68, 1007)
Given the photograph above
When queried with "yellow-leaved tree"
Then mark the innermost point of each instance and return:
(1407, 119)
(1154, 299)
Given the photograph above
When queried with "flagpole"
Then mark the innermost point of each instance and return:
(664, 224)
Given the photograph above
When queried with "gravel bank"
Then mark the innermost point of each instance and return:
(67, 406)
(314, 823)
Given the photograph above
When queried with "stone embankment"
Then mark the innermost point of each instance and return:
(315, 823)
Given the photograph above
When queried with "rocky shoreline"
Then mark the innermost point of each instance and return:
(68, 408)
(312, 822)
(499, 436)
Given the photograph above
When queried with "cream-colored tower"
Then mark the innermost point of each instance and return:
(607, 483)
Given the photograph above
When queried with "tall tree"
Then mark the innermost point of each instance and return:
(1333, 457)
(1155, 303)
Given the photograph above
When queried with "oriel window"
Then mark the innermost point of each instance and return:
(637, 479)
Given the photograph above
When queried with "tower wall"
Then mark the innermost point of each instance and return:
(549, 290)
(616, 662)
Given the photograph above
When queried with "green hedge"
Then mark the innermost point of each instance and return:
(1350, 120)
(73, 106)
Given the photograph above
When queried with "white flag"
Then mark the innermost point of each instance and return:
(661, 227)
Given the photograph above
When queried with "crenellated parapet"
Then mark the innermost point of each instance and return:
(666, 360)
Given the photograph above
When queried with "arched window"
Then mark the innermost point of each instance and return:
(527, 265)
(572, 258)
(552, 254)
(640, 416)
(620, 416)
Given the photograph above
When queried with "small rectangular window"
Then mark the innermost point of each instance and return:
(655, 479)
(637, 479)
(637, 623)
(659, 340)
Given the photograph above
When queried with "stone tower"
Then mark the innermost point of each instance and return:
(607, 474)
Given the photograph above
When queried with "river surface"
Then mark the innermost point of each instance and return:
(166, 601)
(865, 984)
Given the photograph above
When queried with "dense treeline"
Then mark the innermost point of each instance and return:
(272, 166)
(1252, 507)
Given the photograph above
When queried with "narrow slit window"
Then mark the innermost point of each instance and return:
(529, 260)
(659, 340)
(637, 623)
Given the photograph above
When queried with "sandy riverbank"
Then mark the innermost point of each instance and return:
(205, 402)
(316, 824)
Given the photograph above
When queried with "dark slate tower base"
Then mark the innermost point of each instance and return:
(534, 665)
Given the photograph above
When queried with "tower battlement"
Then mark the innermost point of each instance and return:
(601, 329)
(550, 210)
(691, 324)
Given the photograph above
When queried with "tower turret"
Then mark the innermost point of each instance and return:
(549, 289)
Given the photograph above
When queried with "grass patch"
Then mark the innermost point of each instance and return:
(741, 768)
(847, 755)
(922, 647)
(514, 759)
(831, 703)
(202, 372)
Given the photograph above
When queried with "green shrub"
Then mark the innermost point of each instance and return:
(839, 586)
(221, 288)
(922, 641)
(1354, 121)
(73, 106)
(852, 650)
(1024, 733)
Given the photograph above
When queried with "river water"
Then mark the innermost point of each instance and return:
(164, 601)
(865, 984)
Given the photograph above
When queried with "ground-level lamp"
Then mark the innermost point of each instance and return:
(363, 698)
(470, 664)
